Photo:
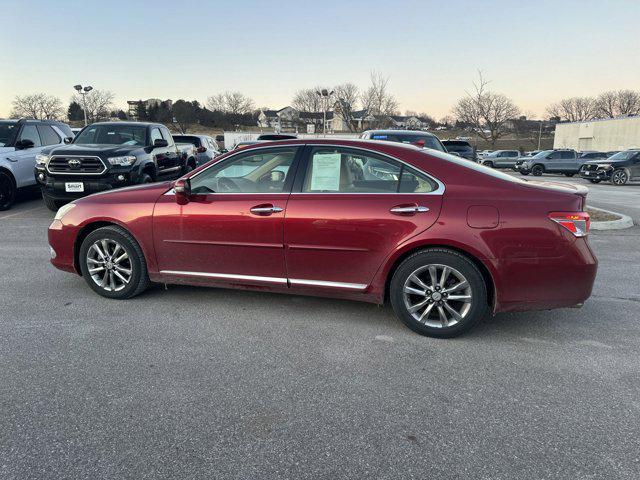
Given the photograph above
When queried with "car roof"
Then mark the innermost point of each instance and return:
(146, 124)
(405, 132)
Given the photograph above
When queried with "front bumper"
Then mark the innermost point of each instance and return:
(599, 174)
(54, 186)
(522, 167)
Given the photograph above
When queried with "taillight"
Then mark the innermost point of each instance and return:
(201, 149)
(577, 223)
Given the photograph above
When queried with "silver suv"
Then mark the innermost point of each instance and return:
(551, 161)
(20, 142)
(501, 159)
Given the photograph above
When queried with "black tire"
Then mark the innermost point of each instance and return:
(569, 174)
(537, 170)
(524, 173)
(619, 177)
(145, 178)
(594, 180)
(477, 289)
(139, 277)
(7, 191)
(50, 203)
(488, 164)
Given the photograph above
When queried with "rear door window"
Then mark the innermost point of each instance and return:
(48, 135)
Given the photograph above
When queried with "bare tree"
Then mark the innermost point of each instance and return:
(376, 99)
(230, 102)
(38, 105)
(487, 112)
(575, 109)
(307, 100)
(618, 103)
(346, 95)
(98, 104)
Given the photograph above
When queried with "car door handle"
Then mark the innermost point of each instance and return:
(265, 209)
(408, 209)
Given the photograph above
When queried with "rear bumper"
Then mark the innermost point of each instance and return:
(546, 283)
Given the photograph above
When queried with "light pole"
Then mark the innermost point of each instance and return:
(83, 91)
(324, 94)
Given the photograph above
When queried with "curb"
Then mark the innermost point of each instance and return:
(623, 222)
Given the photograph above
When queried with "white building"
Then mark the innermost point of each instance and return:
(600, 135)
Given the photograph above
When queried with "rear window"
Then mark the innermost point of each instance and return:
(457, 146)
(427, 141)
(48, 135)
(195, 141)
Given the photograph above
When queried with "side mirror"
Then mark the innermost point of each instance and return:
(182, 189)
(25, 144)
(160, 142)
(68, 140)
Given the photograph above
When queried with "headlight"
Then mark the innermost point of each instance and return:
(604, 166)
(123, 161)
(63, 210)
(42, 159)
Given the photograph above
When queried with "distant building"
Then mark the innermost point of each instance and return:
(600, 135)
(134, 105)
(290, 119)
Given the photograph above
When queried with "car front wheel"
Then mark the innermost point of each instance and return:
(594, 180)
(619, 177)
(438, 293)
(7, 191)
(537, 170)
(112, 263)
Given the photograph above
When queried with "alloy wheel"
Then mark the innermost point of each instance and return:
(437, 295)
(619, 177)
(109, 265)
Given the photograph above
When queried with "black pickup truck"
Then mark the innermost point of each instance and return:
(109, 155)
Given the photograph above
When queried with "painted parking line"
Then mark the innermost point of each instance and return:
(20, 213)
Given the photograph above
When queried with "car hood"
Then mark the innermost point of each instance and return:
(145, 193)
(93, 149)
(604, 160)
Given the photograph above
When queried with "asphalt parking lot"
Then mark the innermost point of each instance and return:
(207, 383)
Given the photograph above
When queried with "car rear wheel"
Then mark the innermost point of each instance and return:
(112, 263)
(594, 180)
(524, 173)
(619, 177)
(145, 178)
(537, 170)
(569, 174)
(438, 293)
(7, 191)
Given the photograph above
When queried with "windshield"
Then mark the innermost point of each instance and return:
(113, 135)
(542, 154)
(6, 132)
(195, 141)
(621, 156)
(425, 141)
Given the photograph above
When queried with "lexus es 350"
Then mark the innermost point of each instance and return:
(444, 240)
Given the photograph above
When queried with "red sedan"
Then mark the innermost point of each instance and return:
(443, 239)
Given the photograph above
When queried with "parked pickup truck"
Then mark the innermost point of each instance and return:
(110, 155)
(501, 159)
(551, 161)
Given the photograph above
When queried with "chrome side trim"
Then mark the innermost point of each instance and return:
(104, 165)
(226, 276)
(322, 283)
(278, 280)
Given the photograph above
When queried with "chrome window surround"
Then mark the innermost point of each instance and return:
(105, 168)
(438, 191)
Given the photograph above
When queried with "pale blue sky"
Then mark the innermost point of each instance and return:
(536, 52)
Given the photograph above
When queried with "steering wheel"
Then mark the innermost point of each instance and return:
(227, 185)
